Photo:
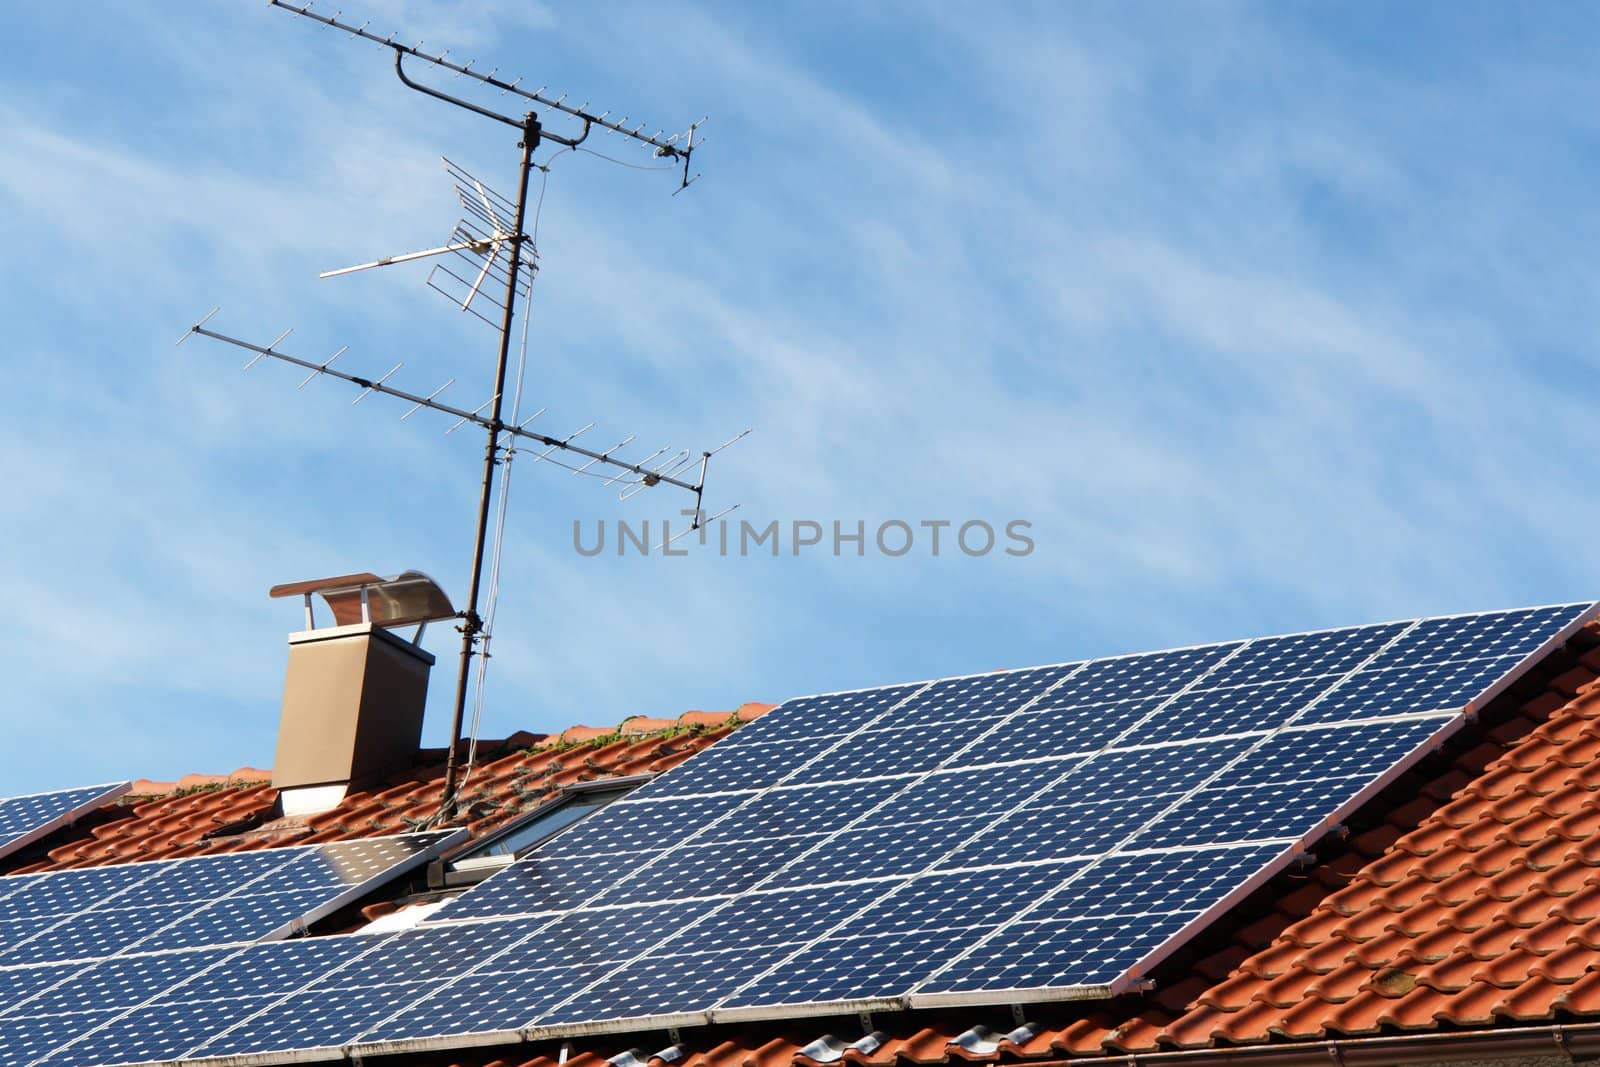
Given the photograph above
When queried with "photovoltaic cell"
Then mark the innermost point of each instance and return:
(821, 717)
(985, 696)
(23, 1041)
(483, 1002)
(314, 1019)
(1085, 829)
(1409, 690)
(802, 810)
(1236, 708)
(900, 750)
(852, 968)
(1127, 677)
(156, 1033)
(545, 883)
(883, 848)
(712, 869)
(1048, 732)
(621, 827)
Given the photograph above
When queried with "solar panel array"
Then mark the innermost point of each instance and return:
(25, 819)
(1033, 834)
(80, 949)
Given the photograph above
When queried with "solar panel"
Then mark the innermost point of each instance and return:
(26, 819)
(95, 912)
(1047, 833)
(1044, 832)
(135, 962)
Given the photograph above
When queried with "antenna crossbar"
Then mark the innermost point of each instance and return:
(675, 146)
(646, 476)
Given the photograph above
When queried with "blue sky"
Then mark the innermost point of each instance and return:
(1267, 318)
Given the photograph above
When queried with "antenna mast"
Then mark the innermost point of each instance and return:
(508, 236)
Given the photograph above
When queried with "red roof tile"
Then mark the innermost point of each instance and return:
(224, 813)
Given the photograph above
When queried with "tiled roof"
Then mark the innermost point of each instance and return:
(1464, 903)
(226, 813)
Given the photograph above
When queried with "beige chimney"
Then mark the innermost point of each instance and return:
(354, 693)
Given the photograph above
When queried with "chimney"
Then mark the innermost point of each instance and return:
(354, 693)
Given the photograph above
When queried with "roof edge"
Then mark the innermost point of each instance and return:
(1576, 1041)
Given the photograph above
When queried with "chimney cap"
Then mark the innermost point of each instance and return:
(400, 600)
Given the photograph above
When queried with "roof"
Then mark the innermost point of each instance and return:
(1464, 902)
(201, 814)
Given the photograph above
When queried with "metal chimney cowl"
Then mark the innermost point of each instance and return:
(354, 692)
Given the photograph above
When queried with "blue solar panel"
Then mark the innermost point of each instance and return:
(624, 827)
(854, 968)
(1203, 712)
(440, 953)
(1166, 770)
(1409, 690)
(783, 917)
(708, 870)
(1127, 677)
(1484, 636)
(94, 934)
(984, 696)
(900, 750)
(214, 991)
(23, 1041)
(746, 767)
(601, 937)
(1299, 753)
(1099, 761)
(1076, 954)
(97, 912)
(273, 969)
(1274, 659)
(798, 810)
(949, 899)
(657, 986)
(314, 1019)
(128, 925)
(540, 883)
(1095, 926)
(974, 792)
(64, 892)
(882, 848)
(21, 984)
(25, 819)
(483, 1002)
(157, 1033)
(1032, 833)
(241, 917)
(1049, 732)
(821, 717)
(122, 982)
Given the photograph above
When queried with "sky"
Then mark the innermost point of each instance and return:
(1261, 317)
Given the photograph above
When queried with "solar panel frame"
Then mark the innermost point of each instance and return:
(73, 804)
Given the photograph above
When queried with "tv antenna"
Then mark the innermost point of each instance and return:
(489, 251)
